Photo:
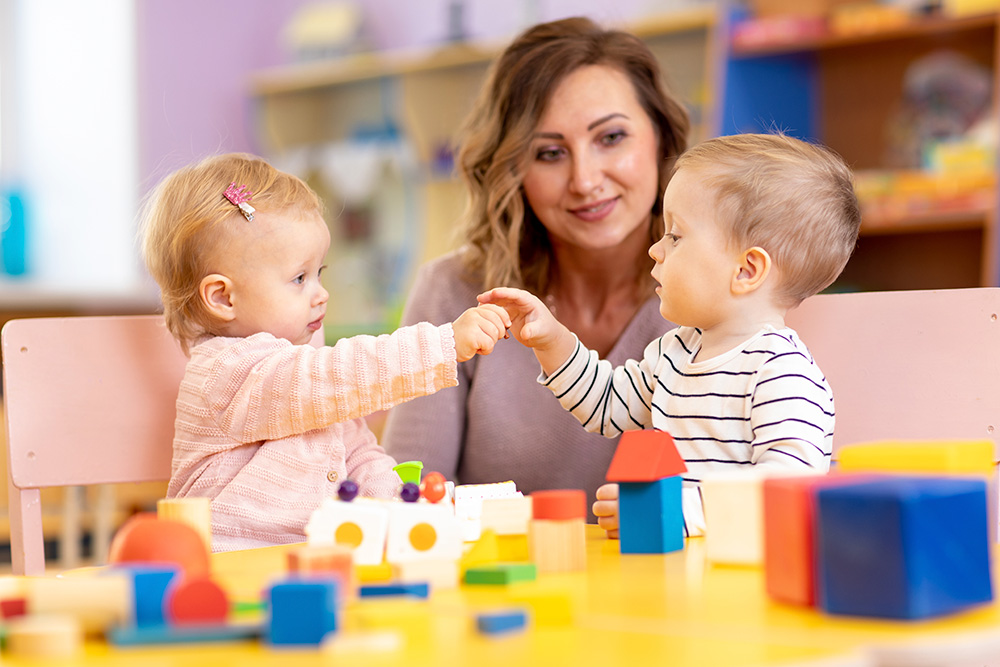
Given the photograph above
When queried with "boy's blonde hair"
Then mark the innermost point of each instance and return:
(186, 219)
(794, 199)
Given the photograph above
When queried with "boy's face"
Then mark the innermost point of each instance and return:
(694, 263)
(276, 276)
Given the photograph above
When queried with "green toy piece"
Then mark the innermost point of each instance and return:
(409, 471)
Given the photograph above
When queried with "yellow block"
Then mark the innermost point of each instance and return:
(513, 548)
(957, 457)
(483, 551)
(373, 573)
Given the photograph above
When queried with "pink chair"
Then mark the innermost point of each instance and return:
(87, 400)
(908, 365)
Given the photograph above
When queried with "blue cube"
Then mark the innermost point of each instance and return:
(149, 589)
(903, 547)
(303, 611)
(650, 518)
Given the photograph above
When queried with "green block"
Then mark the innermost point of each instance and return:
(501, 574)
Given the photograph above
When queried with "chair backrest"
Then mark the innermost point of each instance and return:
(908, 365)
(87, 400)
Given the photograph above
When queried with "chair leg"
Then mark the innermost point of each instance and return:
(104, 523)
(27, 543)
(70, 532)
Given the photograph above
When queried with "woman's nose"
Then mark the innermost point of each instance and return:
(588, 174)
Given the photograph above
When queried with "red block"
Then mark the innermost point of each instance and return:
(789, 534)
(195, 601)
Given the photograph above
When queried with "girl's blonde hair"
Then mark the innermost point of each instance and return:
(186, 219)
(794, 199)
(505, 242)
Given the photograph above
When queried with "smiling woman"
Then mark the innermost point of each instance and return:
(564, 157)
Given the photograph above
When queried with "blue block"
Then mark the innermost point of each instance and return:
(650, 519)
(420, 590)
(493, 623)
(903, 547)
(149, 585)
(303, 611)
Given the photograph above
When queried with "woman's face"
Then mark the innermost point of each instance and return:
(592, 176)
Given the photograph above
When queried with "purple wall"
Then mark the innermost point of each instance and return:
(195, 57)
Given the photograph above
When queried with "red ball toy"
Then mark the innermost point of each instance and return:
(432, 487)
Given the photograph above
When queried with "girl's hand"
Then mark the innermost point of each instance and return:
(606, 509)
(478, 329)
(534, 326)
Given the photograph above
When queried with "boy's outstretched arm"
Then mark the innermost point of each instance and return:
(533, 325)
(478, 329)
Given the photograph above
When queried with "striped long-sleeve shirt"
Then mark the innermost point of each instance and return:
(267, 429)
(765, 402)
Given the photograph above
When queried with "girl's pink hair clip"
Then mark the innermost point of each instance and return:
(239, 196)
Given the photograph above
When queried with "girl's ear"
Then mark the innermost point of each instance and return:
(755, 266)
(215, 292)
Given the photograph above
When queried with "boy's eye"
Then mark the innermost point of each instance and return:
(673, 238)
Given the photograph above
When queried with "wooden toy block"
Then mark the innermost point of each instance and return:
(501, 574)
(513, 548)
(506, 516)
(361, 525)
(556, 533)
(44, 636)
(483, 551)
(439, 574)
(413, 589)
(183, 634)
(645, 456)
(97, 602)
(501, 622)
(382, 641)
(422, 531)
(303, 611)
(970, 457)
(734, 518)
(146, 538)
(373, 573)
(196, 601)
(469, 504)
(650, 517)
(549, 609)
(13, 607)
(196, 512)
(903, 547)
(150, 584)
(790, 534)
(330, 559)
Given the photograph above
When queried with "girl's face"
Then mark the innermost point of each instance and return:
(593, 177)
(276, 276)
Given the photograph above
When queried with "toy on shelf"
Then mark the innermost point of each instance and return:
(647, 468)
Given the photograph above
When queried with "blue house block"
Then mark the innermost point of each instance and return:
(903, 547)
(303, 611)
(650, 519)
(149, 590)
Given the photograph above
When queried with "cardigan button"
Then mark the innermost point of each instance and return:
(332, 476)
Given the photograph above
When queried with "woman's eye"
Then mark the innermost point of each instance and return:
(612, 138)
(548, 154)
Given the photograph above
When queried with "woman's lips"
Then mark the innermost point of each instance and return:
(596, 211)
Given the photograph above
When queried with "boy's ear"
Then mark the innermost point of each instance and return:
(215, 292)
(754, 268)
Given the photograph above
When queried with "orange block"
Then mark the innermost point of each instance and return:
(333, 559)
(559, 504)
(789, 534)
(645, 456)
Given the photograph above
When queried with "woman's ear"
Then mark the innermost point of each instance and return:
(215, 292)
(755, 266)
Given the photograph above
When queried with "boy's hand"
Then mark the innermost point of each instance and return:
(478, 329)
(533, 325)
(606, 509)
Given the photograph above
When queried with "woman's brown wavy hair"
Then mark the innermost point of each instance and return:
(505, 243)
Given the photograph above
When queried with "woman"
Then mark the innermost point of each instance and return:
(565, 156)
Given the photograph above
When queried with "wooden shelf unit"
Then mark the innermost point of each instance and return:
(844, 92)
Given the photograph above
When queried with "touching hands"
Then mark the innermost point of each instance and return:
(606, 509)
(533, 325)
(478, 329)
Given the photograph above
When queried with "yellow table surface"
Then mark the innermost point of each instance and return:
(672, 609)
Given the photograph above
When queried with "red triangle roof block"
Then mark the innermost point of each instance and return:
(645, 456)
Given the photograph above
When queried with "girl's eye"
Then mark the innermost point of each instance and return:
(299, 279)
(321, 270)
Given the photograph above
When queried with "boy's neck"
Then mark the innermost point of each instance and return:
(744, 323)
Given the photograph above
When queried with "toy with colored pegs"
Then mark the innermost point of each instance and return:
(348, 490)
(432, 487)
(410, 492)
